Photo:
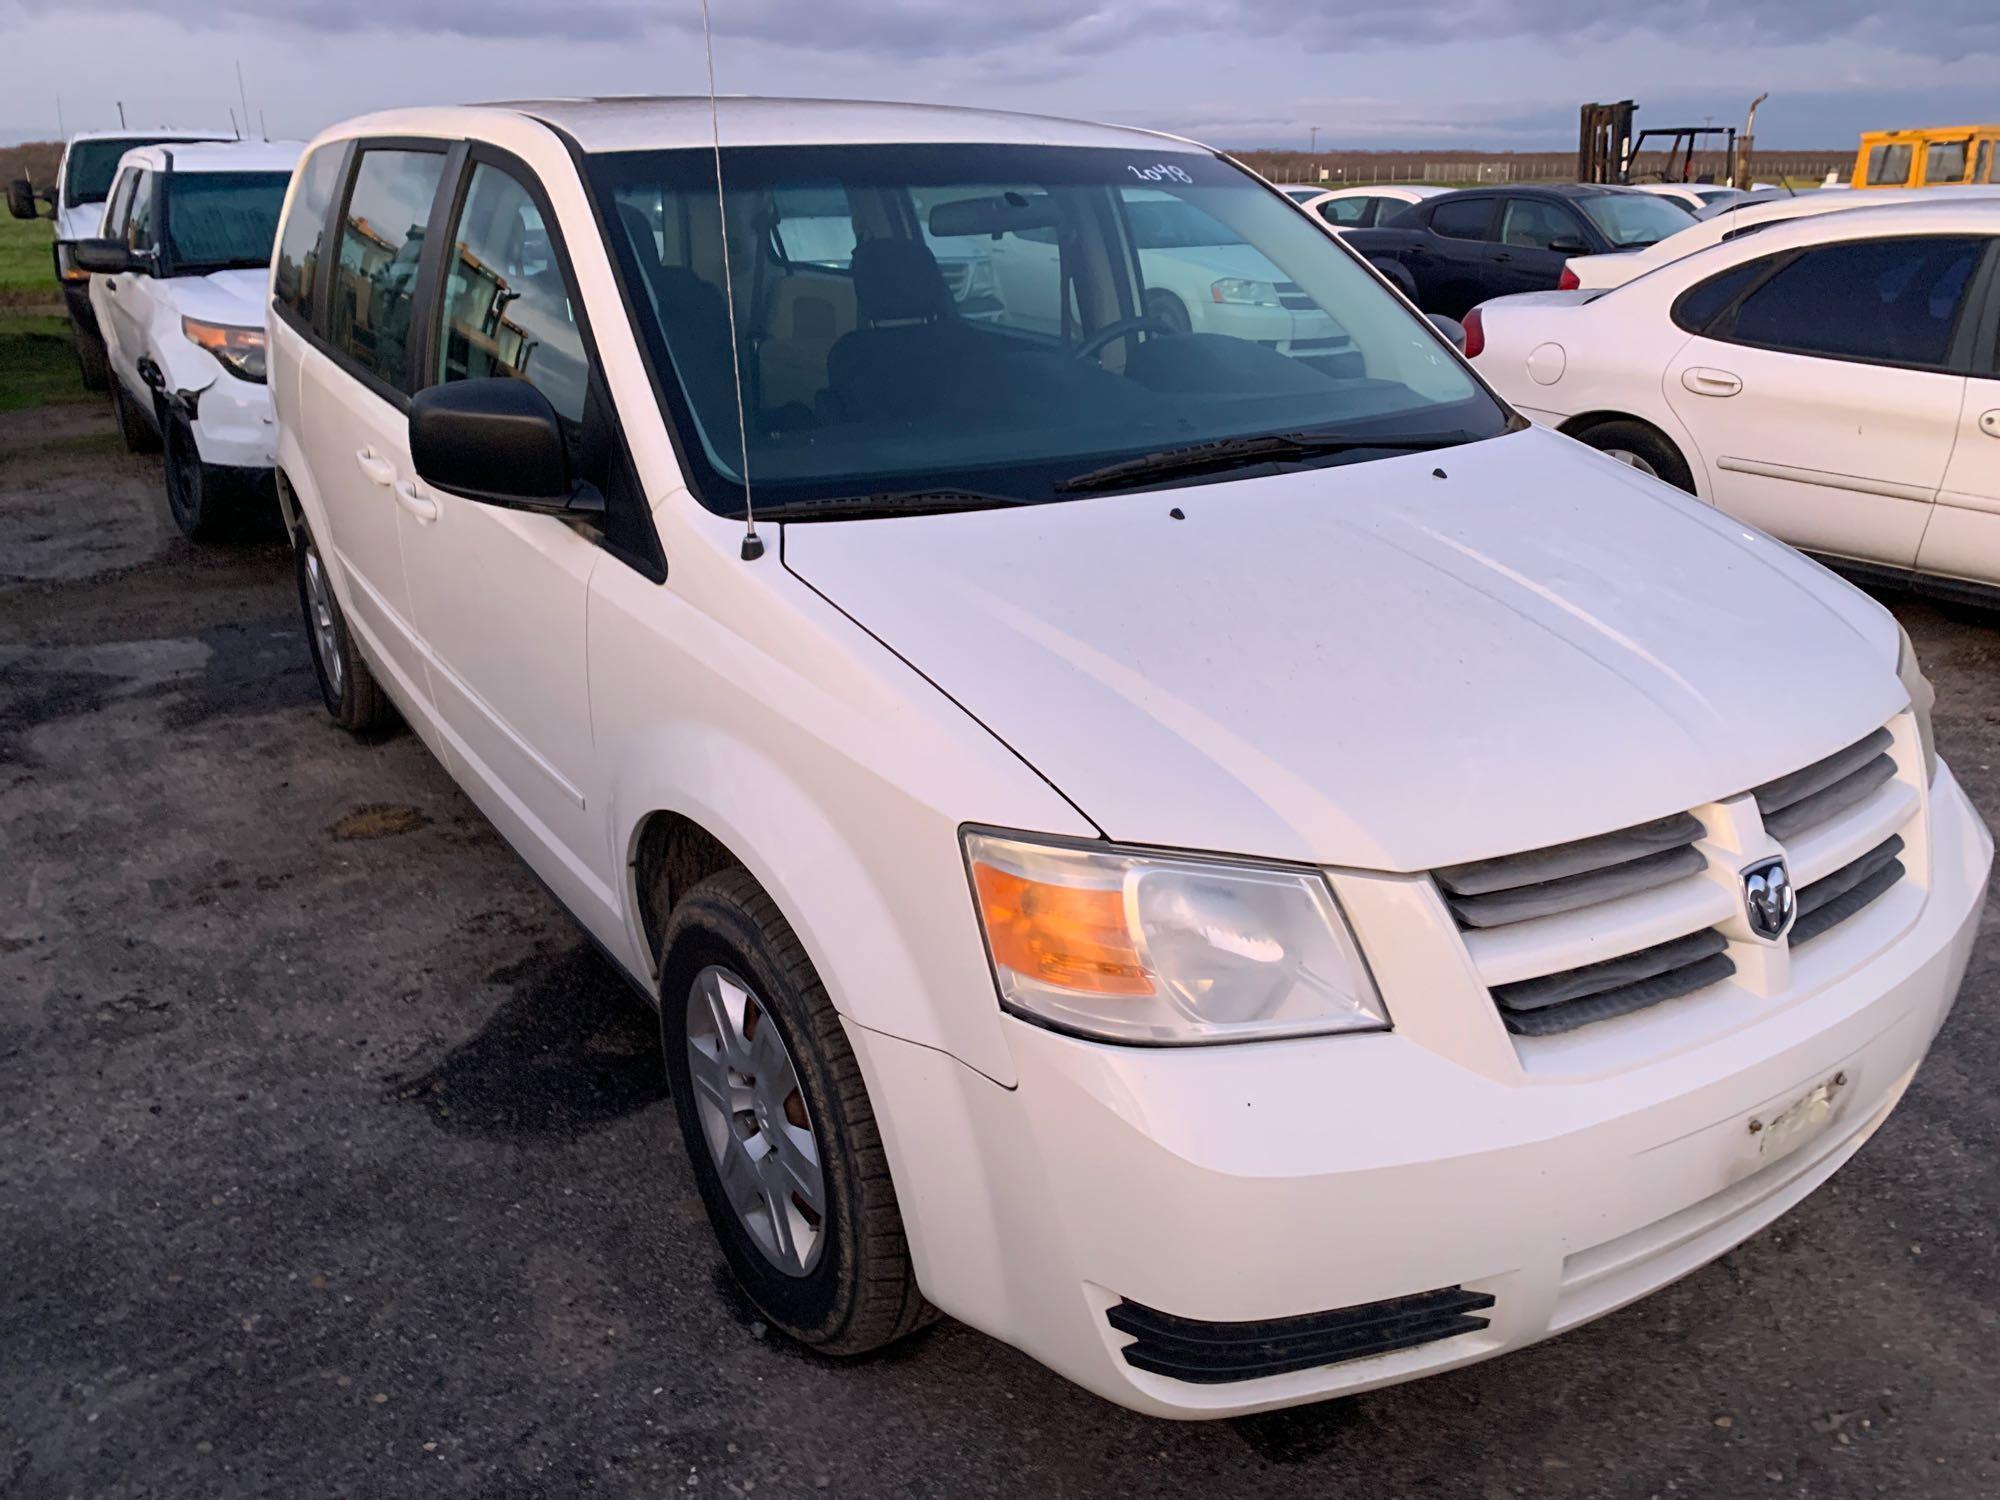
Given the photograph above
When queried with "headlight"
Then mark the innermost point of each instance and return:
(241, 350)
(1132, 947)
(1922, 696)
(1244, 293)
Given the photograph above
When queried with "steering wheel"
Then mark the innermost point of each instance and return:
(1110, 333)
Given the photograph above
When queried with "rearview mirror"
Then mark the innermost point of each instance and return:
(21, 199)
(1569, 244)
(1451, 328)
(105, 257)
(1003, 213)
(497, 441)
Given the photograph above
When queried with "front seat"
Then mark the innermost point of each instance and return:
(911, 349)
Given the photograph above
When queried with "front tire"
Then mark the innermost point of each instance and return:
(1168, 312)
(91, 360)
(778, 1127)
(1641, 447)
(134, 430)
(198, 494)
(349, 690)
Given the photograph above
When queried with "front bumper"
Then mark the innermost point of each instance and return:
(234, 425)
(1276, 1180)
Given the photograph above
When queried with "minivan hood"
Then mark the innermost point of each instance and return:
(236, 297)
(1389, 665)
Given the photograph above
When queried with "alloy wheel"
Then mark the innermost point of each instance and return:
(754, 1118)
(319, 610)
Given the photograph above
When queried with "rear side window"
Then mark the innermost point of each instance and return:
(1888, 166)
(1534, 225)
(1699, 305)
(381, 244)
(299, 240)
(1463, 219)
(507, 310)
(1350, 213)
(1894, 301)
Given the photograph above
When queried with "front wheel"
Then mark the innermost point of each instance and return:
(197, 493)
(778, 1127)
(134, 430)
(1167, 312)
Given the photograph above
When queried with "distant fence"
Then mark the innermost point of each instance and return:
(1335, 168)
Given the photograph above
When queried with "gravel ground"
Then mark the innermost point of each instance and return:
(333, 1160)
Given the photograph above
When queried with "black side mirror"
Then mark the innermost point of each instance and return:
(21, 199)
(105, 257)
(497, 441)
(1451, 328)
(1569, 244)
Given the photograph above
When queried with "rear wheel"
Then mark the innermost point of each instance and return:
(346, 686)
(133, 429)
(1641, 447)
(778, 1127)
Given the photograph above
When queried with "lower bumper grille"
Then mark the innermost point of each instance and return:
(1214, 1353)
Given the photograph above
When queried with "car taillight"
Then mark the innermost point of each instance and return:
(1475, 334)
(1568, 281)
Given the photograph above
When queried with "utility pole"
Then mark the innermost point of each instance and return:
(1314, 148)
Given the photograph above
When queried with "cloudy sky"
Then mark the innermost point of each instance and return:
(1496, 74)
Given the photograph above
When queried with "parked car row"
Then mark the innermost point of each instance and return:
(1187, 834)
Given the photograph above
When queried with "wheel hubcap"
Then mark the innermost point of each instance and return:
(319, 610)
(1632, 460)
(753, 1116)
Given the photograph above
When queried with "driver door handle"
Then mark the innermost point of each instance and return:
(377, 470)
(1707, 382)
(415, 501)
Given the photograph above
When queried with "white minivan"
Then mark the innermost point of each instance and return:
(1246, 878)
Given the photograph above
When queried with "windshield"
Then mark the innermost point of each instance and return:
(1631, 220)
(220, 219)
(1004, 319)
(91, 165)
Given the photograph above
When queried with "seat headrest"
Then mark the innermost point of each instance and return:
(898, 280)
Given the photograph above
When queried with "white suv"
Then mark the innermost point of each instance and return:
(178, 288)
(83, 184)
(1246, 879)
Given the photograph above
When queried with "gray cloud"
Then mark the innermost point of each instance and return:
(918, 29)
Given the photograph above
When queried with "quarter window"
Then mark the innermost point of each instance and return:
(1700, 304)
(1895, 301)
(299, 240)
(507, 310)
(1352, 212)
(381, 243)
(1464, 219)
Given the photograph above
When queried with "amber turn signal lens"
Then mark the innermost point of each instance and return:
(1074, 937)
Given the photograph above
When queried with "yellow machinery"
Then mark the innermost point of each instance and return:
(1931, 157)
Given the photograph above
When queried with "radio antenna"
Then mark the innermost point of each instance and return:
(753, 544)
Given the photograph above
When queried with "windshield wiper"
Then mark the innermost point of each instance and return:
(886, 503)
(1238, 452)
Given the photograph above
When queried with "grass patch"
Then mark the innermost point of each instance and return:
(25, 264)
(37, 364)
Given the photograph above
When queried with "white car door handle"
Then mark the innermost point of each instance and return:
(414, 500)
(1706, 382)
(378, 470)
(1989, 422)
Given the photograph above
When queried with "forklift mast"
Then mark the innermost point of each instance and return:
(1604, 142)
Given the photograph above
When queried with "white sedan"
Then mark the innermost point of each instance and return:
(1732, 220)
(1358, 206)
(1694, 196)
(1833, 380)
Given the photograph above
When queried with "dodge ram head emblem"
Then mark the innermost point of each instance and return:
(1768, 899)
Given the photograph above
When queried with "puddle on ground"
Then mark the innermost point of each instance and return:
(571, 1050)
